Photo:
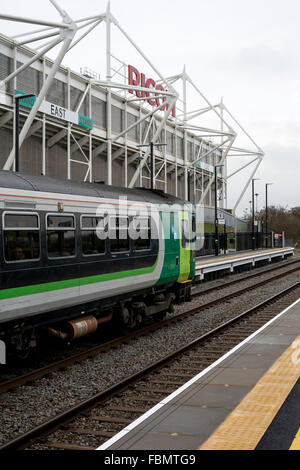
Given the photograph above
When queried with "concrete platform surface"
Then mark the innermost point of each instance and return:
(232, 403)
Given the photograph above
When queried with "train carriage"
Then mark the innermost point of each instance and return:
(75, 255)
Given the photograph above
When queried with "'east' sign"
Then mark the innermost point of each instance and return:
(58, 112)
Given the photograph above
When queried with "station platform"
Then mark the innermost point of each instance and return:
(248, 399)
(230, 261)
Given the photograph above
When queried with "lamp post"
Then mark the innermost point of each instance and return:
(189, 186)
(216, 213)
(253, 214)
(139, 159)
(256, 202)
(256, 211)
(152, 170)
(17, 119)
(266, 224)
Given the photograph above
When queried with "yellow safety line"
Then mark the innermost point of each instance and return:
(248, 422)
(296, 442)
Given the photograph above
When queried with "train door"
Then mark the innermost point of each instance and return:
(171, 266)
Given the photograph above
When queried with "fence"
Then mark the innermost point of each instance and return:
(238, 242)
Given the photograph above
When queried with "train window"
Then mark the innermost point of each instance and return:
(193, 224)
(60, 236)
(118, 234)
(21, 237)
(194, 229)
(90, 222)
(184, 233)
(60, 221)
(21, 221)
(91, 243)
(143, 227)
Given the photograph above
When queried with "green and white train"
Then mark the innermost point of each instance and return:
(76, 255)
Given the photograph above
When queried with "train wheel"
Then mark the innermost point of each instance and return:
(139, 319)
(24, 346)
(125, 317)
(189, 295)
(160, 316)
(128, 318)
(171, 307)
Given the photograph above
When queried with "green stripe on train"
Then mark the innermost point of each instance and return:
(78, 282)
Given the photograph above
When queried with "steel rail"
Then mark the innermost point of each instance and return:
(246, 277)
(63, 418)
(31, 376)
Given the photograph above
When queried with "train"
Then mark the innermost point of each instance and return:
(77, 255)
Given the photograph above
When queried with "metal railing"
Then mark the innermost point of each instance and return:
(242, 241)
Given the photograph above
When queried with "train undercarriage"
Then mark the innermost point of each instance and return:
(120, 314)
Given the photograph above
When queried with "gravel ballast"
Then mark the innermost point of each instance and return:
(31, 405)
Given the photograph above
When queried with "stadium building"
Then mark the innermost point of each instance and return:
(82, 127)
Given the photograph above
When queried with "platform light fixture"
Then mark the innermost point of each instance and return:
(216, 212)
(266, 224)
(256, 202)
(253, 214)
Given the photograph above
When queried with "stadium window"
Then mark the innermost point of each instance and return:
(170, 142)
(134, 132)
(60, 236)
(99, 112)
(117, 119)
(91, 243)
(21, 237)
(118, 236)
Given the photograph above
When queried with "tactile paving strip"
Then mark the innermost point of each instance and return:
(296, 442)
(245, 426)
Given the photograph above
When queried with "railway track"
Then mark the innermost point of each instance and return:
(257, 272)
(46, 371)
(105, 414)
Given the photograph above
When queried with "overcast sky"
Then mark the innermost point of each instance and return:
(244, 50)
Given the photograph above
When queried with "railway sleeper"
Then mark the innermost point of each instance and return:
(179, 374)
(166, 382)
(141, 399)
(113, 420)
(160, 391)
(88, 432)
(65, 446)
(127, 409)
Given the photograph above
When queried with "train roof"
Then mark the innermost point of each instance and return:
(27, 182)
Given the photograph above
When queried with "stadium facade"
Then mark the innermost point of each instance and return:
(79, 127)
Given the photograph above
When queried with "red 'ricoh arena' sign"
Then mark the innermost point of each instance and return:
(135, 78)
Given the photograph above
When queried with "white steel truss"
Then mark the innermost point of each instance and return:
(256, 152)
(218, 141)
(221, 139)
(65, 33)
